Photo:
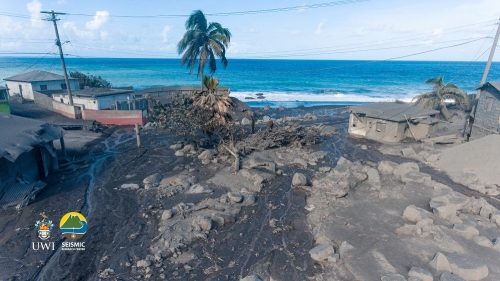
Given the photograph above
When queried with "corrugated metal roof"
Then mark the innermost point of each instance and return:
(94, 92)
(21, 134)
(392, 111)
(36, 76)
(495, 85)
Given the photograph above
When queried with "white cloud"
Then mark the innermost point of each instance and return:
(438, 31)
(319, 30)
(360, 31)
(60, 2)
(165, 32)
(7, 25)
(34, 8)
(99, 19)
(70, 25)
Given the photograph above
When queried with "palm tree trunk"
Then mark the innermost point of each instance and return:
(201, 81)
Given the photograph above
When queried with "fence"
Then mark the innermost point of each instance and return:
(136, 104)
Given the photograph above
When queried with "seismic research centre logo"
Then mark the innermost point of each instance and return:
(73, 226)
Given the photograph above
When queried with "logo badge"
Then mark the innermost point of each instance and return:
(44, 227)
(73, 225)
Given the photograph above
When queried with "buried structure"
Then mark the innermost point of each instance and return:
(391, 122)
(27, 155)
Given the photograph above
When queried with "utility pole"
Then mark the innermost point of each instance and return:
(58, 43)
(483, 80)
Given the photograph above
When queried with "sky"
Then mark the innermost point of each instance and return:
(444, 30)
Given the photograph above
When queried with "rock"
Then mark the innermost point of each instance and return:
(464, 178)
(467, 231)
(333, 258)
(203, 222)
(433, 156)
(245, 121)
(393, 277)
(404, 168)
(176, 146)
(235, 197)
(167, 214)
(421, 273)
(415, 214)
(300, 161)
(467, 267)
(251, 278)
(496, 244)
(266, 107)
(446, 276)
(386, 167)
(408, 152)
(179, 153)
(373, 177)
(327, 131)
(364, 147)
(483, 241)
(105, 274)
(447, 203)
(299, 179)
(324, 169)
(414, 176)
(154, 179)
(281, 108)
(198, 189)
(207, 154)
(130, 186)
(266, 118)
(206, 161)
(322, 252)
(144, 263)
(344, 248)
(189, 148)
(407, 229)
(487, 210)
(440, 263)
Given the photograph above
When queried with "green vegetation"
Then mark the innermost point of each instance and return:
(217, 105)
(90, 80)
(202, 43)
(72, 222)
(440, 93)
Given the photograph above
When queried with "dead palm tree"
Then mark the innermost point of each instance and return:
(202, 43)
(219, 105)
(440, 93)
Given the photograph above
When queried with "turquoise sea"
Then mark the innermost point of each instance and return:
(286, 82)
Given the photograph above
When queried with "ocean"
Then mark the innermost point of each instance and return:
(282, 82)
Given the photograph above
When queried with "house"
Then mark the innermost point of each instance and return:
(391, 122)
(38, 80)
(4, 100)
(96, 98)
(27, 155)
(487, 115)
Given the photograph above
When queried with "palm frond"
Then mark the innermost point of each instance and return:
(197, 21)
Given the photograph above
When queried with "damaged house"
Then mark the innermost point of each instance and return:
(391, 122)
(27, 155)
(487, 115)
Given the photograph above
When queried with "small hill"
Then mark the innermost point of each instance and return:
(72, 222)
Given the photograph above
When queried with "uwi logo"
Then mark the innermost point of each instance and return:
(43, 228)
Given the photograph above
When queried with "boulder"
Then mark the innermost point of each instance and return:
(464, 178)
(235, 197)
(179, 153)
(408, 152)
(414, 176)
(415, 214)
(393, 277)
(206, 155)
(203, 223)
(487, 210)
(154, 179)
(386, 167)
(188, 148)
(404, 168)
(266, 107)
(130, 186)
(198, 189)
(324, 169)
(266, 118)
(344, 249)
(245, 121)
(373, 177)
(364, 147)
(483, 241)
(447, 276)
(432, 156)
(176, 146)
(144, 263)
(407, 229)
(420, 273)
(252, 277)
(496, 244)
(440, 263)
(299, 179)
(467, 267)
(167, 214)
(327, 131)
(322, 252)
(447, 203)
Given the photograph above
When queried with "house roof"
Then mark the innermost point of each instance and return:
(392, 111)
(22, 134)
(36, 76)
(495, 85)
(95, 92)
(3, 88)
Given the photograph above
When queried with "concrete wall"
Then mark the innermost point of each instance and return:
(43, 100)
(65, 109)
(107, 102)
(29, 88)
(421, 131)
(375, 129)
(487, 121)
(116, 117)
(97, 103)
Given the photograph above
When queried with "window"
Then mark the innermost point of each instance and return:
(63, 86)
(43, 87)
(488, 104)
(381, 126)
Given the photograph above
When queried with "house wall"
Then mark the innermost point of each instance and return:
(116, 117)
(65, 109)
(97, 103)
(487, 122)
(29, 88)
(367, 127)
(84, 102)
(421, 131)
(43, 100)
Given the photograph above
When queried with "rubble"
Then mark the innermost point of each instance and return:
(440, 263)
(299, 179)
(467, 267)
(322, 252)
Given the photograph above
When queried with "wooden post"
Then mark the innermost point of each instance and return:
(138, 135)
(409, 127)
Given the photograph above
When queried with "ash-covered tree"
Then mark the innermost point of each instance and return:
(89, 80)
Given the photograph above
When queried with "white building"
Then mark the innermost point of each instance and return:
(38, 80)
(96, 98)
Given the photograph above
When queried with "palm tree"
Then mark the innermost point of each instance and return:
(203, 42)
(219, 105)
(440, 93)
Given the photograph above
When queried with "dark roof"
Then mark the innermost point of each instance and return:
(99, 92)
(22, 134)
(36, 76)
(391, 111)
(495, 85)
(3, 88)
